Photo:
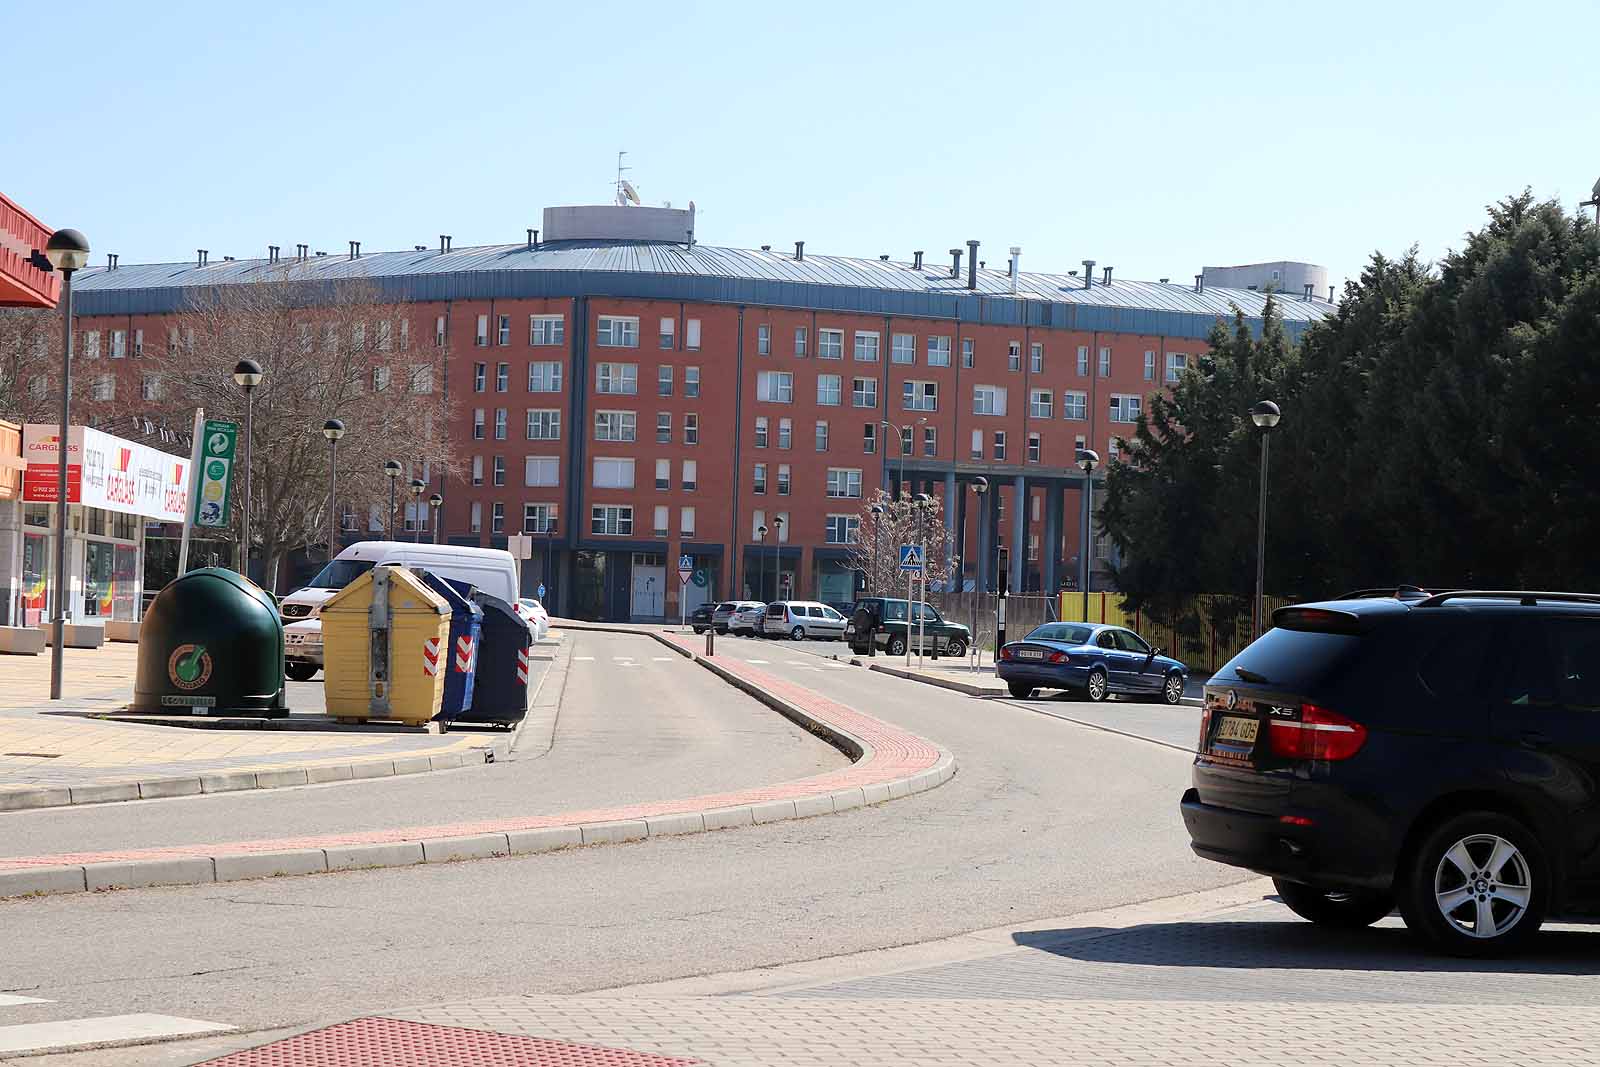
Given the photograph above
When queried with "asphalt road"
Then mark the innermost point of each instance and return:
(1043, 818)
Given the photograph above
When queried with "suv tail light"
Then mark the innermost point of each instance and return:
(1320, 734)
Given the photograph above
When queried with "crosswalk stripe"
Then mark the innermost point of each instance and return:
(8, 999)
(70, 1033)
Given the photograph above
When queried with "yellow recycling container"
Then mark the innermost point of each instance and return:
(385, 648)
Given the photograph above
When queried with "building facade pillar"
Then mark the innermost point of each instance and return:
(1019, 531)
(1050, 552)
(951, 488)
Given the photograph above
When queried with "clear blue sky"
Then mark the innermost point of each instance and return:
(1157, 137)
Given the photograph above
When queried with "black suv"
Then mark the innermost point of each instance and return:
(1437, 752)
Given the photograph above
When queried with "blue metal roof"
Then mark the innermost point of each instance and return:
(705, 273)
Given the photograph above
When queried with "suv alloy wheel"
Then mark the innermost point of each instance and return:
(1477, 885)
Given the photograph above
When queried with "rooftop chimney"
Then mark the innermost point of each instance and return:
(1016, 265)
(272, 253)
(884, 257)
(355, 249)
(1088, 274)
(1330, 294)
(955, 263)
(1107, 279)
(1164, 281)
(111, 261)
(419, 248)
(766, 248)
(320, 254)
(530, 238)
(799, 250)
(1199, 283)
(200, 257)
(916, 260)
(1309, 287)
(972, 264)
(302, 251)
(444, 243)
(227, 259)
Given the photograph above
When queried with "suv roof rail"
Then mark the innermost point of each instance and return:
(1523, 596)
(1395, 591)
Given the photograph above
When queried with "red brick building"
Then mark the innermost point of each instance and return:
(628, 395)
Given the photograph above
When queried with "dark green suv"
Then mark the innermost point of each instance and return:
(882, 622)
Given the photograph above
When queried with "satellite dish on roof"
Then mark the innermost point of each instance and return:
(626, 193)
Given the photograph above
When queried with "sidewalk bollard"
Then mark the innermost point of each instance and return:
(711, 640)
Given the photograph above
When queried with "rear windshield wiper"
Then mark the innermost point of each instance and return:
(1251, 676)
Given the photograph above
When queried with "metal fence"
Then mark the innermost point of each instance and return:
(1023, 612)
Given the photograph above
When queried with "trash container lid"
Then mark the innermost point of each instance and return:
(361, 588)
(449, 590)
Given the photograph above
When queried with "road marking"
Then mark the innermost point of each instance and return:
(69, 1033)
(8, 999)
(661, 659)
(757, 662)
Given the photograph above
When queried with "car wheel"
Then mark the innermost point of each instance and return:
(1172, 691)
(300, 672)
(957, 648)
(1019, 690)
(1097, 685)
(897, 645)
(798, 633)
(1477, 885)
(1325, 907)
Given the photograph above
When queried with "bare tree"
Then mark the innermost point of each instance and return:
(876, 549)
(30, 364)
(351, 357)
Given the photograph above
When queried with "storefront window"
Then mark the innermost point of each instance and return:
(35, 577)
(99, 578)
(36, 515)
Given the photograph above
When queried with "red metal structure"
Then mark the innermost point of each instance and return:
(26, 279)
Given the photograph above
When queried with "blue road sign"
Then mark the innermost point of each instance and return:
(911, 557)
(541, 590)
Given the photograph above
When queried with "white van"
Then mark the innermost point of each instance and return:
(492, 570)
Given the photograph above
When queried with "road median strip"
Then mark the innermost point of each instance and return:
(888, 763)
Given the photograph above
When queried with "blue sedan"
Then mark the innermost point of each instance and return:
(1092, 659)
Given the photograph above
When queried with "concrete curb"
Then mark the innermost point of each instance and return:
(224, 781)
(180, 867)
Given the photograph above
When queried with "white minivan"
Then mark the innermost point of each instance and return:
(492, 570)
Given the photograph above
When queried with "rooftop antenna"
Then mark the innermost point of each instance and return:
(626, 193)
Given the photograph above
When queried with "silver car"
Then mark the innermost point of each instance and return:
(722, 617)
(799, 619)
(747, 620)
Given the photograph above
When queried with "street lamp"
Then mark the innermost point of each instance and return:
(436, 503)
(761, 532)
(1087, 459)
(980, 486)
(67, 251)
(876, 511)
(1265, 414)
(247, 375)
(777, 564)
(418, 487)
(333, 429)
(392, 469)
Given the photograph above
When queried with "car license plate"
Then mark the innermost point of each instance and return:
(1029, 653)
(1236, 729)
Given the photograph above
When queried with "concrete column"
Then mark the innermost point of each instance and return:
(982, 537)
(951, 488)
(991, 520)
(1051, 549)
(960, 539)
(1019, 531)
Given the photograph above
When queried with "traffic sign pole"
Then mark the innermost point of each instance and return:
(194, 487)
(685, 572)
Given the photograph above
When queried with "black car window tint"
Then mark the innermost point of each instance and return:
(1452, 660)
(1530, 679)
(1576, 643)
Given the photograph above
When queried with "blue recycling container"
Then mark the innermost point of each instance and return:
(466, 624)
(500, 692)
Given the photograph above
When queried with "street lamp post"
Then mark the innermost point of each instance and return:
(921, 504)
(761, 586)
(68, 251)
(777, 563)
(1088, 459)
(436, 504)
(876, 511)
(418, 487)
(980, 486)
(392, 469)
(333, 429)
(247, 375)
(1265, 414)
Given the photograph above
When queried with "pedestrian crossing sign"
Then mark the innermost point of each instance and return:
(911, 557)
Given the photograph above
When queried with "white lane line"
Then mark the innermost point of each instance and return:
(757, 662)
(8, 999)
(70, 1033)
(589, 658)
(661, 659)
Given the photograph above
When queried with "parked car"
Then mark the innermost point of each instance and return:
(747, 620)
(722, 617)
(534, 612)
(881, 622)
(1437, 752)
(800, 619)
(1091, 659)
(700, 618)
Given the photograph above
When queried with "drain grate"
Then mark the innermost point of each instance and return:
(35, 755)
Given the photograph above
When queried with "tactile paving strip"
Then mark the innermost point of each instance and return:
(375, 1042)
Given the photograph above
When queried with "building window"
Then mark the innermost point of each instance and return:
(539, 518)
(547, 329)
(664, 380)
(1105, 363)
(477, 424)
(662, 513)
(919, 396)
(617, 331)
(481, 337)
(977, 444)
(104, 388)
(1074, 405)
(91, 344)
(800, 340)
(988, 400)
(499, 424)
(611, 520)
(758, 484)
(1036, 358)
(620, 379)
(663, 427)
(906, 442)
(544, 424)
(499, 477)
(477, 470)
(502, 377)
(1039, 403)
(615, 426)
(866, 346)
(844, 483)
(903, 348)
(761, 431)
(138, 343)
(829, 388)
(380, 379)
(774, 386)
(1033, 548)
(422, 378)
(822, 435)
(663, 474)
(119, 343)
(497, 518)
(999, 446)
(1113, 449)
(438, 332)
(480, 377)
(1083, 361)
(151, 388)
(869, 439)
(172, 340)
(1033, 448)
(864, 393)
(1177, 363)
(691, 382)
(1014, 356)
(758, 519)
(475, 523)
(1149, 365)
(686, 521)
(830, 344)
(1125, 408)
(612, 472)
(1079, 443)
(763, 340)
(930, 441)
(503, 334)
(668, 332)
(842, 529)
(968, 345)
(541, 471)
(691, 335)
(691, 428)
(691, 475)
(783, 479)
(544, 377)
(938, 351)
(785, 433)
